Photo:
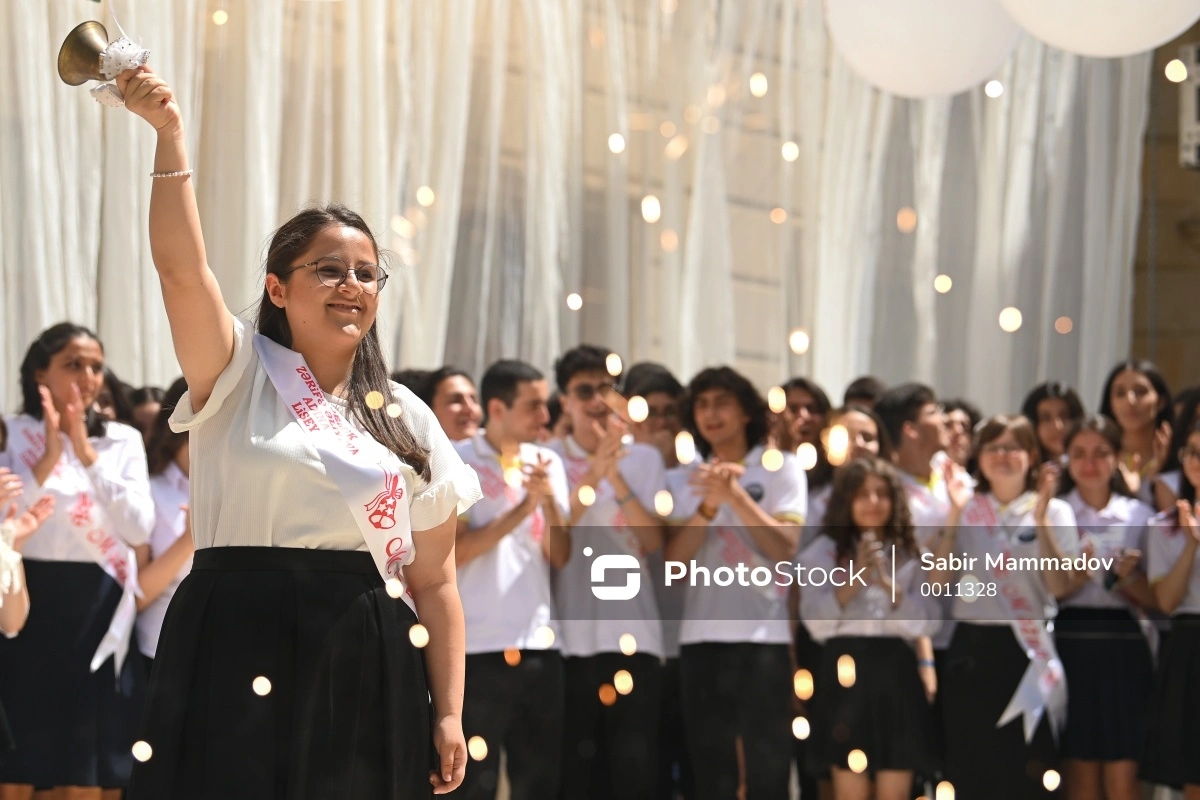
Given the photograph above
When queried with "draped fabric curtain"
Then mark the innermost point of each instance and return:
(501, 149)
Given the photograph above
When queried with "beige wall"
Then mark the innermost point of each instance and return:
(1166, 325)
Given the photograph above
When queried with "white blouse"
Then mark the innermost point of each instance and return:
(118, 479)
(870, 612)
(257, 479)
(1119, 525)
(170, 491)
(590, 625)
(1166, 542)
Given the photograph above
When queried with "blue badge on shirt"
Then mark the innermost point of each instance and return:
(756, 491)
(1026, 535)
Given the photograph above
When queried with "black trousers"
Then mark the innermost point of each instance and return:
(610, 750)
(737, 691)
(674, 763)
(518, 709)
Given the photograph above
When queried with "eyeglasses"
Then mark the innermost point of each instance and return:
(333, 272)
(1188, 453)
(662, 413)
(584, 392)
(1001, 449)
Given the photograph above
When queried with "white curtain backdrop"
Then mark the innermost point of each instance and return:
(502, 112)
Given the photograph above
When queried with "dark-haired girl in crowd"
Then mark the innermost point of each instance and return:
(804, 414)
(738, 505)
(166, 560)
(451, 394)
(1172, 755)
(145, 403)
(1105, 655)
(112, 401)
(961, 418)
(662, 393)
(1168, 482)
(324, 503)
(73, 721)
(850, 432)
(1052, 408)
(1002, 616)
(1136, 397)
(883, 711)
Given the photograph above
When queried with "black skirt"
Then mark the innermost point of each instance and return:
(1109, 669)
(883, 713)
(984, 665)
(286, 674)
(1172, 755)
(70, 726)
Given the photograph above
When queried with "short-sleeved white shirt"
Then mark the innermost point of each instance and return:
(118, 481)
(506, 592)
(257, 479)
(170, 491)
(735, 613)
(1119, 525)
(591, 625)
(1018, 530)
(1166, 541)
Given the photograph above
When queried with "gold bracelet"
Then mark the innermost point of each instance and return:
(178, 174)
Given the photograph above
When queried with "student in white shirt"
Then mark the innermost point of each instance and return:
(167, 558)
(287, 665)
(1001, 614)
(1052, 408)
(1137, 398)
(1173, 733)
(1168, 481)
(734, 509)
(805, 413)
(662, 393)
(609, 747)
(451, 395)
(961, 418)
(506, 547)
(884, 712)
(1104, 653)
(72, 696)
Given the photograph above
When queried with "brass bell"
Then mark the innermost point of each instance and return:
(79, 58)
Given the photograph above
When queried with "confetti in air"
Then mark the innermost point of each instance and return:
(758, 84)
(685, 447)
(777, 399)
(425, 196)
(374, 400)
(395, 588)
(623, 681)
(512, 656)
(802, 684)
(857, 761)
(1010, 319)
(616, 144)
(772, 460)
(627, 643)
(664, 504)
(261, 686)
(477, 748)
(574, 301)
(838, 446)
(944, 791)
(608, 694)
(639, 409)
(846, 671)
(587, 495)
(142, 751)
(800, 728)
(799, 341)
(393, 410)
(613, 364)
(543, 638)
(806, 454)
(1051, 780)
(419, 635)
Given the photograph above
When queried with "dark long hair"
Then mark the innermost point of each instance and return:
(752, 403)
(163, 443)
(49, 343)
(120, 391)
(1110, 431)
(992, 429)
(369, 371)
(1157, 380)
(1052, 390)
(839, 517)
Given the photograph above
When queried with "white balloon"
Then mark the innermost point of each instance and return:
(922, 48)
(1105, 28)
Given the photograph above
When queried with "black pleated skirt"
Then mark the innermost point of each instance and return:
(882, 713)
(984, 665)
(1109, 669)
(286, 674)
(1172, 755)
(70, 726)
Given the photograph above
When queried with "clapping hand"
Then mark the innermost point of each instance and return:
(25, 524)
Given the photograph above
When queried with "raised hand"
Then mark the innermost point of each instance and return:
(1162, 443)
(10, 487)
(1047, 488)
(537, 480)
(149, 96)
(25, 524)
(956, 485)
(1127, 562)
(74, 420)
(1187, 518)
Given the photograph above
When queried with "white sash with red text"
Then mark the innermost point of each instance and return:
(91, 525)
(1043, 687)
(368, 475)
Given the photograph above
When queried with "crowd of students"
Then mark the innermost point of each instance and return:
(1003, 685)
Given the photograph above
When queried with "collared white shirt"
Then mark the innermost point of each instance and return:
(591, 625)
(258, 480)
(1165, 541)
(170, 491)
(1119, 525)
(736, 613)
(118, 481)
(506, 593)
(870, 612)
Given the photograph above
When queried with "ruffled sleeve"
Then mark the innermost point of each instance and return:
(453, 486)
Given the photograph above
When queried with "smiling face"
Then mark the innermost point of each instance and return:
(324, 318)
(456, 407)
(720, 418)
(1053, 419)
(1092, 460)
(80, 363)
(583, 399)
(958, 429)
(804, 416)
(1135, 401)
(872, 506)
